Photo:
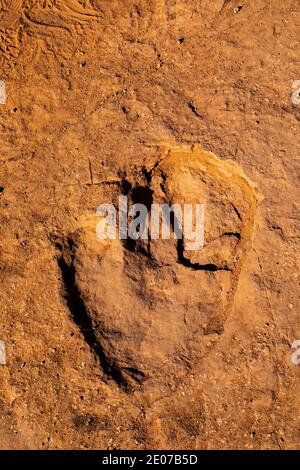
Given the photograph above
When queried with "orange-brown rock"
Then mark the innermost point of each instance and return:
(146, 345)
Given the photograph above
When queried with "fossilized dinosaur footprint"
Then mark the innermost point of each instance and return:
(154, 307)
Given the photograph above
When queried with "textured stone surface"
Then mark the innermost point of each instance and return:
(154, 307)
(148, 351)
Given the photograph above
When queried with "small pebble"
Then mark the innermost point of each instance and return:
(237, 9)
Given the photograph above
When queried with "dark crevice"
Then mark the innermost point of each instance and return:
(81, 318)
(148, 173)
(196, 266)
(130, 244)
(163, 183)
(125, 187)
(142, 195)
(278, 230)
(237, 212)
(232, 234)
(194, 109)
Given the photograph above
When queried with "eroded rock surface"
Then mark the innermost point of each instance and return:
(153, 306)
(201, 339)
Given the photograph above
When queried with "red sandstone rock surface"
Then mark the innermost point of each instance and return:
(118, 345)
